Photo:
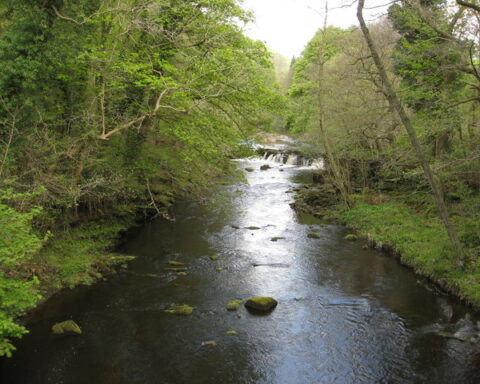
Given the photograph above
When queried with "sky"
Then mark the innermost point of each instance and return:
(286, 26)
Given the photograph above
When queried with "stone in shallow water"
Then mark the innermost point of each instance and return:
(351, 237)
(265, 167)
(68, 327)
(234, 305)
(214, 257)
(176, 263)
(249, 169)
(183, 310)
(253, 228)
(313, 235)
(262, 304)
(232, 333)
(276, 238)
(209, 343)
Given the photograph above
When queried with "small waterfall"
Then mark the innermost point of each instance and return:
(292, 160)
(318, 164)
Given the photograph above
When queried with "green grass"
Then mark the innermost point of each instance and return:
(82, 255)
(421, 240)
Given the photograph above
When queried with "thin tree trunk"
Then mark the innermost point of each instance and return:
(339, 179)
(397, 105)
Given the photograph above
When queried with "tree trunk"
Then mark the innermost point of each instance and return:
(397, 105)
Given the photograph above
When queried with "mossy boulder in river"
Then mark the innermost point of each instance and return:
(68, 327)
(234, 305)
(351, 237)
(313, 235)
(214, 257)
(261, 304)
(249, 169)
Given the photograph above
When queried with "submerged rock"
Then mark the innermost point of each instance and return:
(219, 269)
(313, 235)
(176, 263)
(232, 333)
(235, 226)
(233, 305)
(351, 237)
(277, 238)
(214, 257)
(253, 228)
(249, 169)
(209, 343)
(262, 304)
(182, 310)
(68, 327)
(177, 269)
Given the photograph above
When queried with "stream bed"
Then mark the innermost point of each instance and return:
(345, 314)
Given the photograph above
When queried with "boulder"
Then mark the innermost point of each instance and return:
(261, 304)
(313, 235)
(249, 169)
(68, 327)
(351, 237)
(265, 167)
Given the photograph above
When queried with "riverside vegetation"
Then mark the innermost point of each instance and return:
(364, 96)
(110, 109)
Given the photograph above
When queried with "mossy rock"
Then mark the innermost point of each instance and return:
(276, 238)
(182, 274)
(261, 304)
(249, 169)
(351, 237)
(253, 228)
(181, 310)
(214, 257)
(177, 269)
(68, 327)
(232, 333)
(235, 226)
(265, 167)
(234, 305)
(313, 235)
(176, 263)
(219, 269)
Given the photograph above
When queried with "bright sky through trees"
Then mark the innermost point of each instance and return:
(287, 25)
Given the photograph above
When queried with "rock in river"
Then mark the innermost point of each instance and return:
(262, 304)
(68, 327)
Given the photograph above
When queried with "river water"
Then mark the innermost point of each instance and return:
(345, 314)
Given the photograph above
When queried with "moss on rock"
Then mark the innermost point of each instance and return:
(234, 305)
(68, 327)
(351, 237)
(182, 310)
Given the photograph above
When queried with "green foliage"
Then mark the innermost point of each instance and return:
(18, 244)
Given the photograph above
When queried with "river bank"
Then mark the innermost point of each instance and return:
(405, 226)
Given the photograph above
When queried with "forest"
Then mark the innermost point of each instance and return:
(111, 110)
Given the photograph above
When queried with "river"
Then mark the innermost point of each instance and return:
(345, 314)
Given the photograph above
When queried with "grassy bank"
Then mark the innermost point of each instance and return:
(407, 224)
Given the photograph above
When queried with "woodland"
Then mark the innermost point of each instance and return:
(111, 110)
